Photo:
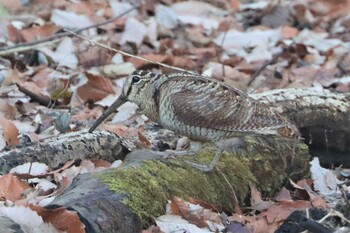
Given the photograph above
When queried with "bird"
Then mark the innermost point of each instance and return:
(201, 108)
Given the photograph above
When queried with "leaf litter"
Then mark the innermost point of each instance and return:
(199, 36)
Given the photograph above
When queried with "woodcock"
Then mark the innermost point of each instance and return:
(199, 107)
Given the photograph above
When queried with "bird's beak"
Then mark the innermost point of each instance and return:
(116, 104)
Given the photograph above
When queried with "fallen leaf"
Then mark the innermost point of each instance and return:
(39, 32)
(10, 132)
(143, 138)
(280, 212)
(325, 181)
(283, 195)
(140, 64)
(100, 163)
(28, 219)
(256, 200)
(61, 218)
(288, 32)
(11, 187)
(96, 88)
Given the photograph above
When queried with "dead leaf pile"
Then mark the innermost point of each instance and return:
(52, 82)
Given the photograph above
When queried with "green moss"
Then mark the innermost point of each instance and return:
(148, 187)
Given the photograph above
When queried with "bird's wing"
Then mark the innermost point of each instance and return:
(216, 106)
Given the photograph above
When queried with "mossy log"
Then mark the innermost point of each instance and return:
(148, 184)
(127, 198)
(138, 191)
(322, 117)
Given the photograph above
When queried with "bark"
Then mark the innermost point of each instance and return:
(322, 117)
(100, 209)
(55, 151)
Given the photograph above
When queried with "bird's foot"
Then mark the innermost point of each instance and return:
(207, 168)
(174, 153)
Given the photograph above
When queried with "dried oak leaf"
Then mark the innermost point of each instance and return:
(61, 218)
(10, 132)
(11, 187)
(38, 32)
(96, 88)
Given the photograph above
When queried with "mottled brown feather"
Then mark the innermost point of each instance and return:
(219, 107)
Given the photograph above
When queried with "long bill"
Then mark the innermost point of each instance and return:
(116, 104)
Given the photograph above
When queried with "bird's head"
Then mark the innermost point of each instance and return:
(138, 88)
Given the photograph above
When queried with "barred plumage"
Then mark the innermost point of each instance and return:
(199, 107)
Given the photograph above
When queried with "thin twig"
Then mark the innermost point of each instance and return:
(130, 55)
(56, 37)
(221, 45)
(256, 74)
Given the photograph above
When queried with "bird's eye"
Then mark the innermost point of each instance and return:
(136, 79)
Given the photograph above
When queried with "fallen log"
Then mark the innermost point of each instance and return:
(142, 186)
(56, 151)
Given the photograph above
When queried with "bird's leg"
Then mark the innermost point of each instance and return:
(192, 150)
(231, 144)
(204, 167)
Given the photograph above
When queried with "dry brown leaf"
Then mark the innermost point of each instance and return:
(6, 110)
(288, 32)
(184, 62)
(41, 77)
(39, 32)
(10, 132)
(94, 56)
(235, 4)
(178, 207)
(120, 130)
(143, 138)
(140, 64)
(100, 163)
(283, 195)
(278, 213)
(329, 9)
(33, 87)
(256, 200)
(61, 218)
(181, 207)
(13, 34)
(96, 88)
(204, 204)
(262, 226)
(11, 187)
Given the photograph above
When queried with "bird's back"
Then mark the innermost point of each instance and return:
(208, 110)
